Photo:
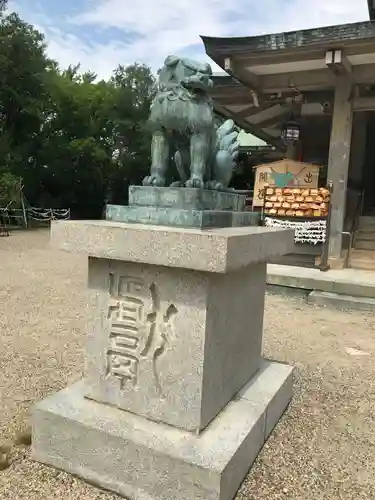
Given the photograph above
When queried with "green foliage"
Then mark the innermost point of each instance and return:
(75, 141)
(10, 192)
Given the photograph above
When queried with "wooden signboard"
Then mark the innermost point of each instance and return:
(282, 174)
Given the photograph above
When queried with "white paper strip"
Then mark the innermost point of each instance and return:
(312, 232)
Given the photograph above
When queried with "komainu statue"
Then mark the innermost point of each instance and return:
(183, 126)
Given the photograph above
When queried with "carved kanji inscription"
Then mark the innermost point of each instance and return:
(139, 331)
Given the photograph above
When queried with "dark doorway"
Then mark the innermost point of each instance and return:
(368, 183)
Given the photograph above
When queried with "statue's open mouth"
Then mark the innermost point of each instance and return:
(196, 87)
(198, 91)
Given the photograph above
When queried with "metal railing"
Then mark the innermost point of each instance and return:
(353, 228)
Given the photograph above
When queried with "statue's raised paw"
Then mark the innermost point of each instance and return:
(195, 182)
(154, 180)
(215, 185)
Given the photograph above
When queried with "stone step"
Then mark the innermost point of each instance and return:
(363, 254)
(343, 281)
(293, 259)
(364, 245)
(365, 234)
(366, 221)
(339, 301)
(362, 259)
(363, 264)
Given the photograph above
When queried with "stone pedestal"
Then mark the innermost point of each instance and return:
(176, 400)
(184, 207)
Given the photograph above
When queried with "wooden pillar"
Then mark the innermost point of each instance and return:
(338, 161)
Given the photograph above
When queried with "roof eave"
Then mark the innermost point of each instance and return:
(293, 40)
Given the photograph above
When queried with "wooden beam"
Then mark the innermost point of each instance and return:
(337, 62)
(313, 109)
(249, 127)
(245, 77)
(314, 80)
(269, 57)
(232, 100)
(244, 113)
(364, 104)
(271, 115)
(235, 70)
(251, 110)
(274, 132)
(302, 53)
(302, 81)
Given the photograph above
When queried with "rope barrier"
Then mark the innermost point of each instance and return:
(39, 214)
(43, 214)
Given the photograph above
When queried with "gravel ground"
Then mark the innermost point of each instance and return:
(323, 448)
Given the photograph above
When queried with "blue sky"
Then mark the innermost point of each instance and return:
(100, 34)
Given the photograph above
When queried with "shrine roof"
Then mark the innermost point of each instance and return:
(344, 34)
(265, 74)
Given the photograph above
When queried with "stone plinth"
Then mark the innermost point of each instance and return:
(183, 207)
(216, 250)
(173, 361)
(186, 198)
(140, 459)
(185, 341)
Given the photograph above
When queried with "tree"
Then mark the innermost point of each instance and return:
(10, 190)
(135, 88)
(22, 86)
(74, 149)
(94, 141)
(74, 141)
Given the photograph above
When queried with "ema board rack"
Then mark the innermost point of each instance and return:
(296, 202)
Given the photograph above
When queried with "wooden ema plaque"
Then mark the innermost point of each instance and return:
(296, 202)
(283, 174)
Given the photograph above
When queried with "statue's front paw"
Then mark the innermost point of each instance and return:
(177, 184)
(154, 180)
(195, 182)
(215, 185)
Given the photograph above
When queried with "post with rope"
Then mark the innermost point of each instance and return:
(25, 220)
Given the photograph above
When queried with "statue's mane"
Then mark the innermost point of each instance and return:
(179, 109)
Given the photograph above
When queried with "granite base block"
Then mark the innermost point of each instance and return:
(186, 198)
(144, 460)
(174, 217)
(248, 218)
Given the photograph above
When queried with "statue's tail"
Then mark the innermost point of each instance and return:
(180, 166)
(227, 149)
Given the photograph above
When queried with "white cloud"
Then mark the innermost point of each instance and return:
(172, 26)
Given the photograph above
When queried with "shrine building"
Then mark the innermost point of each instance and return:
(321, 82)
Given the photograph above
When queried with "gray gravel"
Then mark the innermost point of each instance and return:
(324, 447)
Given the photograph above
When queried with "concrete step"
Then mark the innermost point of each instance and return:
(366, 221)
(363, 254)
(362, 259)
(293, 259)
(339, 301)
(364, 245)
(365, 234)
(363, 264)
(343, 281)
